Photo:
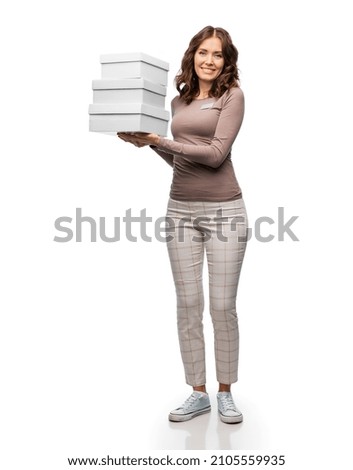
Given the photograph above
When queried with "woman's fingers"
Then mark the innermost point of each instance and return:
(127, 138)
(124, 136)
(139, 139)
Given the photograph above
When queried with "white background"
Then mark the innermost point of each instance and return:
(89, 354)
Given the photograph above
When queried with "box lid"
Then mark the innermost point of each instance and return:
(130, 108)
(128, 83)
(133, 57)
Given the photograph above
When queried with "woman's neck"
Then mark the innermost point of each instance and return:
(204, 90)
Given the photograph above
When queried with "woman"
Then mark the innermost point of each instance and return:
(205, 212)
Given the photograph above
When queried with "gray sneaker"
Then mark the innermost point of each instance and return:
(227, 410)
(197, 404)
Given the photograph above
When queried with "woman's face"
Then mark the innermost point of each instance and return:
(208, 60)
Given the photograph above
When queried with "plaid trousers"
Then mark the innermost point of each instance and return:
(220, 229)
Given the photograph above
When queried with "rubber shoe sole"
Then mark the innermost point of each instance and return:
(179, 418)
(230, 419)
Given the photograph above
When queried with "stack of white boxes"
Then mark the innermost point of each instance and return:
(130, 97)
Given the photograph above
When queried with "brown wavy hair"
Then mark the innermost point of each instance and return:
(186, 80)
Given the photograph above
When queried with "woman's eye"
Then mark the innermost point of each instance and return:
(218, 56)
(202, 52)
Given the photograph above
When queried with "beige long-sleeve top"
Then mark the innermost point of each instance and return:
(204, 132)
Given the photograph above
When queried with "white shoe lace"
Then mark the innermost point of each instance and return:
(227, 402)
(190, 401)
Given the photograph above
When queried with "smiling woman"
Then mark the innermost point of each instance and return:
(213, 48)
(208, 63)
(207, 116)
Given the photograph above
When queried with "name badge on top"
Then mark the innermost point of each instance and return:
(207, 105)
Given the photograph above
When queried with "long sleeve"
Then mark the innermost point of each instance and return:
(214, 153)
(166, 156)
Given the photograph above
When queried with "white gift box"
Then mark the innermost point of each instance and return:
(133, 117)
(133, 90)
(134, 65)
